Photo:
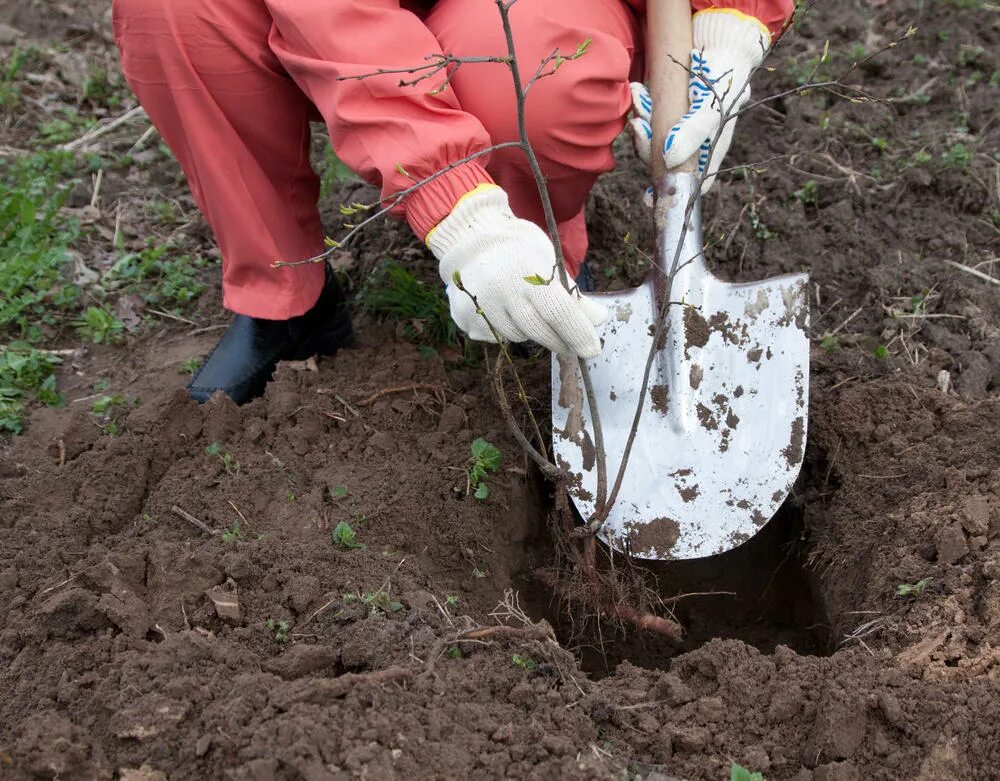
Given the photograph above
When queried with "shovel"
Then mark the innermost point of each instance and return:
(722, 430)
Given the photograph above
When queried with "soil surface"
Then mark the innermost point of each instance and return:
(856, 637)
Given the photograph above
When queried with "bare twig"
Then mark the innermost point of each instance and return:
(105, 127)
(394, 200)
(401, 389)
(193, 521)
(974, 272)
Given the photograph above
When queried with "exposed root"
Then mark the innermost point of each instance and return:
(530, 633)
(318, 691)
(589, 598)
(602, 592)
(437, 390)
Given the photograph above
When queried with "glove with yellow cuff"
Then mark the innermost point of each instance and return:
(509, 266)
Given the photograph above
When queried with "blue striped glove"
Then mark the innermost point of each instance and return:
(728, 46)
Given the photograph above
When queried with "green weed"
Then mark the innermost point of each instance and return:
(102, 89)
(524, 663)
(189, 366)
(379, 603)
(740, 773)
(969, 55)
(808, 194)
(10, 70)
(235, 533)
(34, 242)
(345, 537)
(65, 128)
(105, 404)
(881, 352)
(103, 409)
(231, 465)
(913, 589)
(25, 373)
(279, 629)
(829, 343)
(760, 230)
(100, 326)
(162, 280)
(485, 460)
(393, 291)
(959, 156)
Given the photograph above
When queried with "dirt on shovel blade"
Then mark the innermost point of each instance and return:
(858, 640)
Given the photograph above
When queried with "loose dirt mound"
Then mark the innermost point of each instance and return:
(136, 645)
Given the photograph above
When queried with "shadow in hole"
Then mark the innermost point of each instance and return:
(773, 601)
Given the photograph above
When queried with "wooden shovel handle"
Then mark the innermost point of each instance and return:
(668, 42)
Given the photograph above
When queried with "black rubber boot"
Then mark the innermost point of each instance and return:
(585, 279)
(244, 360)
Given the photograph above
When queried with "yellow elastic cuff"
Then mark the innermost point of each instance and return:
(477, 189)
(736, 12)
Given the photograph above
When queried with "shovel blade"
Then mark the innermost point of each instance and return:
(722, 433)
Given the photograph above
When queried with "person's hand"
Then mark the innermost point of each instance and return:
(728, 46)
(509, 266)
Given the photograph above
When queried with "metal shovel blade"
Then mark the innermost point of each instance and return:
(722, 433)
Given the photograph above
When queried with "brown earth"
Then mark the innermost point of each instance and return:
(123, 656)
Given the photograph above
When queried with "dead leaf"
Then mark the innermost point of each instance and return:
(129, 309)
(225, 600)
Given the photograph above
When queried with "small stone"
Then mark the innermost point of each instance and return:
(225, 601)
(143, 773)
(951, 544)
(452, 419)
(672, 689)
(8, 34)
(301, 660)
(976, 374)
(837, 771)
(975, 515)
(203, 745)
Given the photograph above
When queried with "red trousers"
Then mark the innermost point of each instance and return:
(232, 85)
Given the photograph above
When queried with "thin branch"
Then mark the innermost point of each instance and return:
(553, 228)
(396, 199)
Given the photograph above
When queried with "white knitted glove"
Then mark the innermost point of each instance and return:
(495, 254)
(728, 46)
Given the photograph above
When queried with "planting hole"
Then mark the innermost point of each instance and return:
(772, 600)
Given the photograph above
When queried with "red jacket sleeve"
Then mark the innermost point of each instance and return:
(773, 14)
(388, 134)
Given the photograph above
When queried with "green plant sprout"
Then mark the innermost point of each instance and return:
(231, 465)
(235, 533)
(345, 537)
(740, 773)
(380, 603)
(485, 460)
(100, 326)
(829, 343)
(808, 194)
(524, 662)
(913, 589)
(190, 366)
(24, 370)
(279, 629)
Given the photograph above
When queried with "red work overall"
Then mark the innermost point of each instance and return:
(232, 85)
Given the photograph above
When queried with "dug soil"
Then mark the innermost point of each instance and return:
(173, 604)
